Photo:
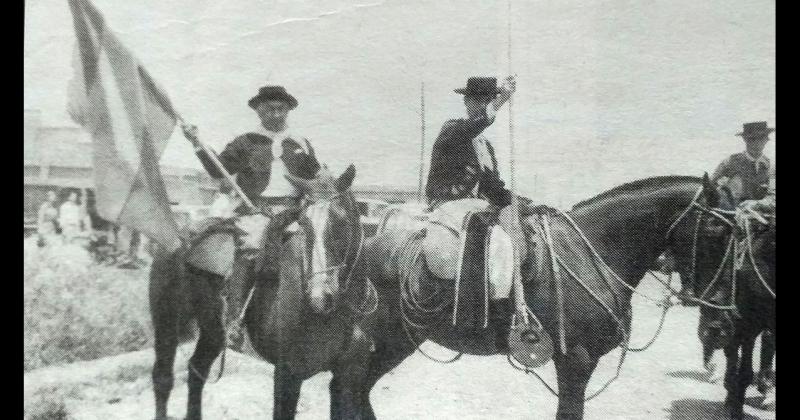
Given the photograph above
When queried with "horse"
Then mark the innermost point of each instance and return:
(625, 228)
(744, 307)
(302, 323)
(718, 326)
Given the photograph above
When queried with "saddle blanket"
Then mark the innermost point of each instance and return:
(444, 246)
(215, 241)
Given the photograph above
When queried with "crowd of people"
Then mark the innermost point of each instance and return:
(64, 222)
(68, 223)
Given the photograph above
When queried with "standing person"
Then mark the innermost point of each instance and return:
(69, 217)
(464, 165)
(47, 219)
(259, 159)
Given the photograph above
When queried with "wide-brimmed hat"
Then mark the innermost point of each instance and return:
(272, 93)
(480, 86)
(755, 130)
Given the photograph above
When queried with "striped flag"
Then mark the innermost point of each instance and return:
(130, 119)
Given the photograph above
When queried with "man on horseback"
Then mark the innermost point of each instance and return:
(252, 156)
(755, 176)
(259, 159)
(749, 171)
(751, 167)
(463, 165)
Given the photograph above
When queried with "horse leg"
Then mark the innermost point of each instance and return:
(573, 371)
(347, 396)
(165, 312)
(744, 378)
(766, 376)
(286, 393)
(731, 370)
(165, 325)
(392, 348)
(208, 304)
(336, 395)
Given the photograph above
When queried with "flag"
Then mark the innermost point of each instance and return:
(130, 119)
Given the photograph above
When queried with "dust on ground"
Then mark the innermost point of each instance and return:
(665, 382)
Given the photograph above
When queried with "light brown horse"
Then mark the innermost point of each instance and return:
(302, 323)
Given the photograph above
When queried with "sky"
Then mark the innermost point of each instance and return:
(608, 91)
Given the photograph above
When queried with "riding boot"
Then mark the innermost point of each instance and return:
(509, 221)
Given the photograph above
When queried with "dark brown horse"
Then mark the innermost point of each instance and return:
(745, 295)
(303, 323)
(628, 228)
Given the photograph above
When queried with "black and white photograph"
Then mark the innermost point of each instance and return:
(383, 209)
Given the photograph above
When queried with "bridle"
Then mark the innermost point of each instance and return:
(352, 257)
(730, 250)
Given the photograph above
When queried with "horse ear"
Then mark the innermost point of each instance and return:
(299, 183)
(710, 191)
(345, 180)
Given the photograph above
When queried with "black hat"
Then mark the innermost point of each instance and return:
(480, 86)
(755, 130)
(271, 93)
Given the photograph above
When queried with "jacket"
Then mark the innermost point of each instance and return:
(249, 156)
(455, 170)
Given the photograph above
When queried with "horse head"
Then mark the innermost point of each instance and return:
(331, 225)
(704, 256)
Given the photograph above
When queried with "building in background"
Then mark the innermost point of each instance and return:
(60, 159)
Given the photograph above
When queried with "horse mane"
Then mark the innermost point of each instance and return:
(652, 183)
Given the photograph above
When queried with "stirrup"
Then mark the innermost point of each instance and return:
(529, 344)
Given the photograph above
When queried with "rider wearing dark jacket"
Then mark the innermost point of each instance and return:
(260, 176)
(464, 165)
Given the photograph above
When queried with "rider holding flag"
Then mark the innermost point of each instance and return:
(260, 159)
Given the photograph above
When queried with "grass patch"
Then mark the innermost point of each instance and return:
(75, 310)
(46, 406)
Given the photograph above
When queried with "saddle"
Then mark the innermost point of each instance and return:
(464, 244)
(215, 243)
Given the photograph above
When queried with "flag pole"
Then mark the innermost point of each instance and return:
(220, 167)
(511, 148)
(420, 192)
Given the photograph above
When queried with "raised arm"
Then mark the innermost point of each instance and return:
(507, 89)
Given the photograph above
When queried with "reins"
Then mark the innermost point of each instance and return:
(749, 243)
(371, 295)
(665, 303)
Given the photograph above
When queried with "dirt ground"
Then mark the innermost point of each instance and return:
(665, 382)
